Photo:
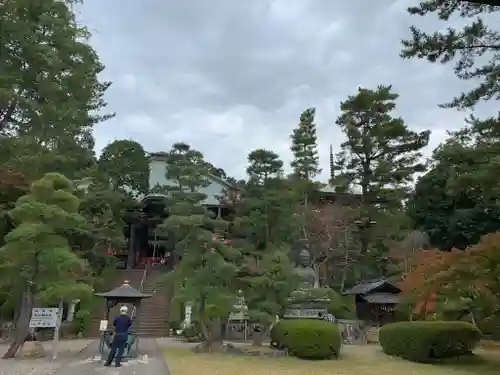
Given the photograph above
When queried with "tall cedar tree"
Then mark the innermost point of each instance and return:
(305, 147)
(305, 167)
(50, 94)
(126, 164)
(264, 228)
(206, 268)
(380, 154)
(37, 254)
(474, 48)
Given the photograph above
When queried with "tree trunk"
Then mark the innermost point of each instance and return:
(212, 336)
(21, 323)
(258, 338)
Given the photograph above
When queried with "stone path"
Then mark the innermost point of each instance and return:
(150, 361)
(81, 358)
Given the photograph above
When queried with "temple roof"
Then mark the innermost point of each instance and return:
(124, 291)
(370, 285)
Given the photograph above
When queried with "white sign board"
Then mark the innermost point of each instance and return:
(103, 325)
(42, 317)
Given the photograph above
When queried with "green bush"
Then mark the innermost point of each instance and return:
(307, 338)
(427, 341)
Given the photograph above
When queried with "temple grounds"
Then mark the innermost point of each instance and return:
(355, 360)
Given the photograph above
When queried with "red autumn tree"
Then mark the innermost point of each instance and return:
(421, 284)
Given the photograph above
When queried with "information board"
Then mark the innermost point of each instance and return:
(42, 317)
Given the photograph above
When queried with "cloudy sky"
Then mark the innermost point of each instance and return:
(229, 76)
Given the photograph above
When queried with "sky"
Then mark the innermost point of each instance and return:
(230, 76)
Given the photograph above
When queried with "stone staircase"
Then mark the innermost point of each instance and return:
(154, 312)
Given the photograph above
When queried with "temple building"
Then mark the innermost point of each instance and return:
(144, 243)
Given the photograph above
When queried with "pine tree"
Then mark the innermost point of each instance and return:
(473, 49)
(37, 254)
(264, 228)
(267, 290)
(380, 155)
(206, 269)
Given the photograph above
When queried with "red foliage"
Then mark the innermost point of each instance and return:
(427, 263)
(13, 185)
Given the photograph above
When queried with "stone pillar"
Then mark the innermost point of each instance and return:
(71, 310)
(187, 315)
(131, 247)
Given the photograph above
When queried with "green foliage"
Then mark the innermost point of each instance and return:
(50, 94)
(307, 338)
(305, 147)
(206, 270)
(428, 341)
(37, 250)
(474, 48)
(266, 290)
(380, 155)
(342, 307)
(104, 209)
(126, 165)
(456, 201)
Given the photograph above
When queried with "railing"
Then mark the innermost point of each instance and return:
(141, 286)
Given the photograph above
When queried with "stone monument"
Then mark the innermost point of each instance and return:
(308, 301)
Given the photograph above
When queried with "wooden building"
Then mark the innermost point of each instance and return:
(375, 300)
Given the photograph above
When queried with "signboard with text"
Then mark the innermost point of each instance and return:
(42, 317)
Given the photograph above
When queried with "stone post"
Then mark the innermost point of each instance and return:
(71, 310)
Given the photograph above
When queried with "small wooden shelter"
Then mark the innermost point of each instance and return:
(127, 295)
(375, 300)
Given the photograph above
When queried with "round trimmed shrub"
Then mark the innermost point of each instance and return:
(428, 341)
(307, 338)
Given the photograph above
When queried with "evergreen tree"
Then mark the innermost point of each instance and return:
(474, 48)
(37, 256)
(380, 155)
(264, 228)
(50, 94)
(206, 269)
(268, 288)
(305, 147)
(305, 165)
(126, 165)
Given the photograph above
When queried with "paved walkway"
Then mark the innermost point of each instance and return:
(69, 349)
(150, 361)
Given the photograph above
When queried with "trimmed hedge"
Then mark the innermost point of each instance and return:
(428, 341)
(307, 338)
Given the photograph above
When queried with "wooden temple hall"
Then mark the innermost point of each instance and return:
(144, 242)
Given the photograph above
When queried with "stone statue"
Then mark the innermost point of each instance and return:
(307, 276)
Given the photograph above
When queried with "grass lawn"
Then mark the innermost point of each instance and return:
(356, 360)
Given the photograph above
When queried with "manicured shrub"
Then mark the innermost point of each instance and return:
(428, 341)
(307, 338)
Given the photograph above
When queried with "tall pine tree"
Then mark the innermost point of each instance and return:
(380, 154)
(206, 266)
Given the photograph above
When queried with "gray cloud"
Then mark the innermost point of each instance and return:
(230, 76)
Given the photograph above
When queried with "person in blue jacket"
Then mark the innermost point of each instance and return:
(122, 324)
